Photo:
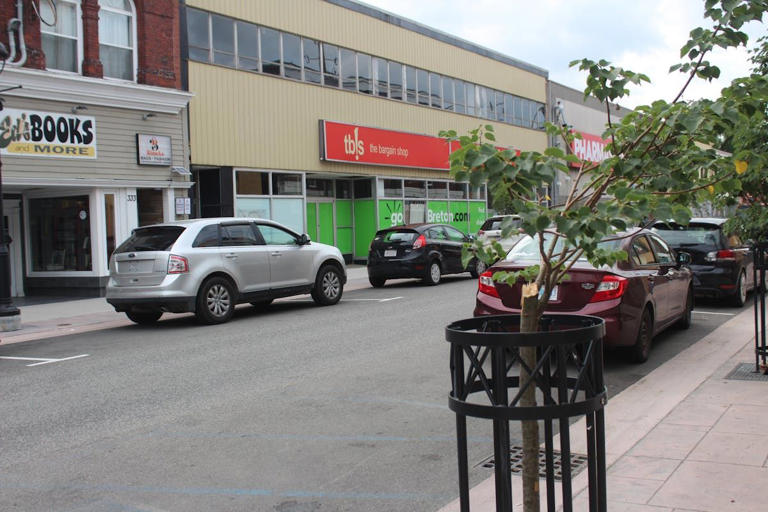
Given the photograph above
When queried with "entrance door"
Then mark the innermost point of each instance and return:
(12, 222)
(320, 222)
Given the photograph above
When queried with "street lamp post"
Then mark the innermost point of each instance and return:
(10, 316)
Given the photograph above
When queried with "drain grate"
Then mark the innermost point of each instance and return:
(578, 462)
(746, 371)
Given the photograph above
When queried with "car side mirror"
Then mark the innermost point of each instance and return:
(303, 239)
(683, 258)
(471, 238)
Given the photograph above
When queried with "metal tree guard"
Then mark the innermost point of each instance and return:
(761, 350)
(564, 342)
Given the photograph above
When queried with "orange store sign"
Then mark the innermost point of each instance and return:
(341, 142)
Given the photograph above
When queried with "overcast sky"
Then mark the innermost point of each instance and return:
(642, 35)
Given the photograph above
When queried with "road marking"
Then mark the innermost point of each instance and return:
(350, 300)
(713, 313)
(41, 360)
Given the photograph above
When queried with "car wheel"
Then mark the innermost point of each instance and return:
(328, 287)
(258, 304)
(433, 273)
(477, 268)
(740, 298)
(144, 317)
(642, 346)
(685, 320)
(376, 282)
(215, 301)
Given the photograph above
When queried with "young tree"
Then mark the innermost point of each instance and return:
(664, 159)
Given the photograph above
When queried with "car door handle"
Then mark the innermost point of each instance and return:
(230, 255)
(277, 253)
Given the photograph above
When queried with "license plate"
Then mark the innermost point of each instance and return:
(553, 294)
(390, 253)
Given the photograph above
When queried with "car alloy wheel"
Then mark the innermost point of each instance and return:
(642, 348)
(741, 290)
(216, 301)
(477, 268)
(433, 274)
(328, 287)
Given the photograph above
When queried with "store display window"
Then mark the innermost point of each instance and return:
(60, 234)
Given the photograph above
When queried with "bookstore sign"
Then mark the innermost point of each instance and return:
(46, 134)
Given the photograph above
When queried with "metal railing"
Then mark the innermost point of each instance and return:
(568, 375)
(759, 251)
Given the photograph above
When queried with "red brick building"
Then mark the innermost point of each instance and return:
(93, 135)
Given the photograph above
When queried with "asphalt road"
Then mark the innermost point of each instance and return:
(296, 408)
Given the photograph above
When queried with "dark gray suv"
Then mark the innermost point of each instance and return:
(207, 266)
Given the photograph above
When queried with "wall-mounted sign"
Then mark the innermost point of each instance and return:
(153, 149)
(354, 144)
(46, 134)
(590, 148)
(183, 206)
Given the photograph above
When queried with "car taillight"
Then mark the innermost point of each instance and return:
(611, 287)
(481, 232)
(420, 242)
(177, 264)
(723, 255)
(486, 285)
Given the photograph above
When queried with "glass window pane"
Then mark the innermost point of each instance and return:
(252, 207)
(60, 53)
(343, 189)
(457, 190)
(289, 212)
(197, 34)
(238, 235)
(270, 51)
(508, 108)
(317, 187)
(499, 105)
(247, 46)
(252, 183)
(223, 30)
(436, 96)
(311, 60)
(363, 188)
(458, 86)
(60, 234)
(477, 193)
(115, 29)
(410, 84)
(207, 237)
(116, 4)
(292, 56)
(482, 97)
(276, 236)
(66, 18)
(364, 73)
(470, 90)
(526, 115)
(448, 93)
(437, 189)
(395, 80)
(330, 65)
(109, 217)
(423, 84)
(117, 62)
(381, 80)
(390, 188)
(286, 184)
(349, 69)
(518, 103)
(415, 188)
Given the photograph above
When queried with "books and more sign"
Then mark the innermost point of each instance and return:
(154, 149)
(46, 134)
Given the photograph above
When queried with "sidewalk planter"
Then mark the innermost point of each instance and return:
(760, 252)
(486, 383)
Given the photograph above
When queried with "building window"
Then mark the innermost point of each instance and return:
(422, 79)
(61, 43)
(436, 99)
(457, 190)
(395, 80)
(415, 188)
(292, 56)
(247, 46)
(223, 38)
(270, 51)
(348, 70)
(330, 65)
(117, 47)
(390, 187)
(364, 73)
(380, 78)
(311, 61)
(470, 92)
(410, 84)
(448, 103)
(60, 234)
(287, 184)
(459, 87)
(437, 189)
(198, 35)
(252, 183)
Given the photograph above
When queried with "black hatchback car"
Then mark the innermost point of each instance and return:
(721, 262)
(424, 251)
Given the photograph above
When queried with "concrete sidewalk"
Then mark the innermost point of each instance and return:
(67, 317)
(683, 438)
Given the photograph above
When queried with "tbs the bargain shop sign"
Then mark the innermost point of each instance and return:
(46, 134)
(590, 148)
(354, 144)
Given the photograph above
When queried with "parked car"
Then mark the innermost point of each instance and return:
(491, 230)
(425, 251)
(637, 298)
(721, 262)
(207, 266)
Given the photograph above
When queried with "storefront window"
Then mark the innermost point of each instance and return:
(390, 188)
(60, 234)
(415, 188)
(109, 217)
(437, 189)
(343, 189)
(289, 212)
(149, 203)
(363, 189)
(477, 193)
(252, 207)
(457, 190)
(252, 183)
(319, 187)
(286, 184)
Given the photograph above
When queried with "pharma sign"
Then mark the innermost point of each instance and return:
(46, 134)
(354, 144)
(153, 149)
(590, 148)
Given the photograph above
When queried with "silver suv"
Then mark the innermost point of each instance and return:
(207, 266)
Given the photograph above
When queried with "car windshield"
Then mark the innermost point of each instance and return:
(702, 234)
(397, 236)
(154, 238)
(528, 247)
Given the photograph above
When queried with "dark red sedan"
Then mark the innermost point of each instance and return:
(637, 298)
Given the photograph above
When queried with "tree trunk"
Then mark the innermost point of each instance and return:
(529, 323)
